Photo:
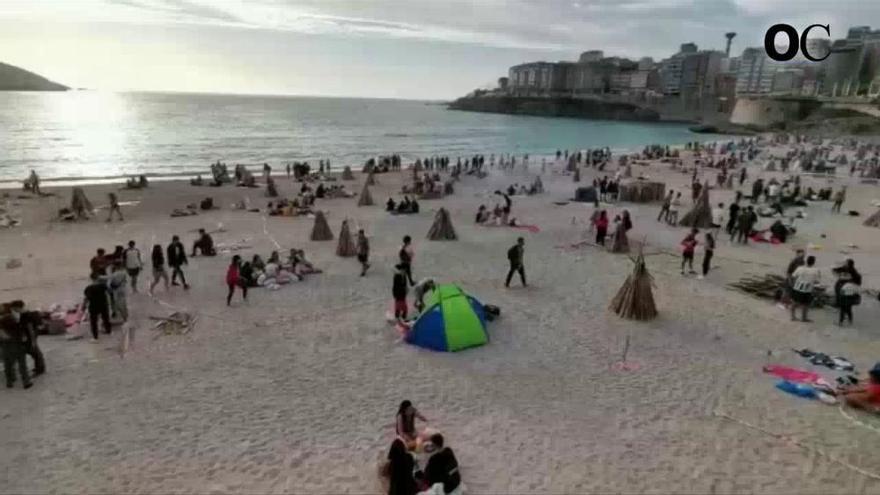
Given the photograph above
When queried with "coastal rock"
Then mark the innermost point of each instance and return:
(13, 78)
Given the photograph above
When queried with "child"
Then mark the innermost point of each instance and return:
(233, 279)
(689, 245)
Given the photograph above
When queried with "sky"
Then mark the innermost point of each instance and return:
(414, 49)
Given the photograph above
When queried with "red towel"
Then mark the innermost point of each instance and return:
(793, 374)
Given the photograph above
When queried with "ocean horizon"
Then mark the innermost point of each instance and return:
(93, 136)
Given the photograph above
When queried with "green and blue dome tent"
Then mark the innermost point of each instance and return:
(452, 321)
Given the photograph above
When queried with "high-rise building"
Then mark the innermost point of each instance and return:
(755, 72)
(591, 56)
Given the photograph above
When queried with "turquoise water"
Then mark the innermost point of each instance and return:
(89, 134)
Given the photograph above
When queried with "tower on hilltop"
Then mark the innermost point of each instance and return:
(729, 37)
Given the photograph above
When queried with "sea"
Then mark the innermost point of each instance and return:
(91, 136)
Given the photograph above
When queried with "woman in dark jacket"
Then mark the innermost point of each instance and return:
(401, 466)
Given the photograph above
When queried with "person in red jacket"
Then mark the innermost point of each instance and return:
(233, 279)
(688, 246)
(601, 225)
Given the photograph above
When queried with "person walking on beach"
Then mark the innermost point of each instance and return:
(233, 280)
(97, 298)
(157, 258)
(674, 207)
(708, 254)
(804, 279)
(399, 288)
(601, 227)
(176, 260)
(839, 198)
(515, 257)
(133, 264)
(664, 210)
(13, 346)
(114, 206)
(406, 256)
(363, 251)
(118, 283)
(688, 246)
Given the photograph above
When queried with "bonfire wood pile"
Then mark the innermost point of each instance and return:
(873, 220)
(179, 323)
(772, 286)
(442, 229)
(642, 192)
(635, 300)
(321, 230)
(366, 199)
(700, 215)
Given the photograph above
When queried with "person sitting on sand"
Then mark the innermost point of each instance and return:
(205, 244)
(405, 422)
(321, 191)
(197, 181)
(442, 467)
(864, 397)
(390, 205)
(257, 263)
(399, 471)
(482, 215)
(404, 206)
(274, 258)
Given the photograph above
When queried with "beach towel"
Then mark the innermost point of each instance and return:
(793, 374)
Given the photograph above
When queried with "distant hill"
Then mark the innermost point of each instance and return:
(13, 78)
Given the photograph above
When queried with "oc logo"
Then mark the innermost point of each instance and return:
(793, 45)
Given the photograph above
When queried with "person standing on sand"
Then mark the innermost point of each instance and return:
(399, 289)
(708, 254)
(742, 176)
(157, 259)
(406, 255)
(732, 216)
(233, 280)
(601, 224)
(176, 260)
(133, 264)
(689, 245)
(804, 279)
(674, 207)
(118, 283)
(363, 251)
(664, 210)
(717, 218)
(13, 346)
(839, 198)
(515, 257)
(96, 300)
(114, 206)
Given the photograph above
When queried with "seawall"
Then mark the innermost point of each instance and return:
(556, 107)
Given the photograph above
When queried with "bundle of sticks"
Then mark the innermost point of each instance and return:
(635, 299)
(179, 323)
(772, 286)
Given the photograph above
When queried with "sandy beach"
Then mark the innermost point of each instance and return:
(296, 390)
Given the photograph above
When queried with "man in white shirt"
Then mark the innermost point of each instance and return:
(133, 264)
(718, 218)
(804, 279)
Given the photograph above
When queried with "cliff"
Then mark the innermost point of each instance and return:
(555, 107)
(13, 78)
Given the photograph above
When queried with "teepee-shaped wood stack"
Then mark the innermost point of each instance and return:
(347, 174)
(442, 229)
(366, 198)
(635, 300)
(371, 178)
(873, 220)
(80, 204)
(700, 215)
(321, 231)
(346, 246)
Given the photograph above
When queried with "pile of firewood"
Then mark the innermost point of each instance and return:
(772, 286)
(179, 323)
